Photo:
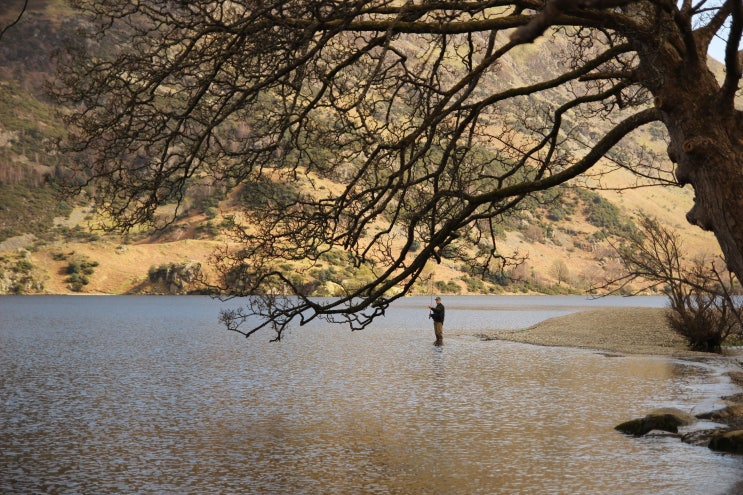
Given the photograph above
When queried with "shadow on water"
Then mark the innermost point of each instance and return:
(151, 395)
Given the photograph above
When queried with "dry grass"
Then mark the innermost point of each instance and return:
(121, 267)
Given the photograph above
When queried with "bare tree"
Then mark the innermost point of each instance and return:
(560, 271)
(424, 113)
(703, 308)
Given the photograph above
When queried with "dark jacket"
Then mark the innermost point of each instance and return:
(437, 313)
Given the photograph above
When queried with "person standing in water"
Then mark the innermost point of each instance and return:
(437, 315)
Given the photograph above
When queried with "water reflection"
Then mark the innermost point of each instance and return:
(150, 395)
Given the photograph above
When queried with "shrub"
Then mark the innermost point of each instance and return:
(474, 284)
(703, 308)
(211, 212)
(24, 266)
(533, 233)
(704, 325)
(79, 270)
(77, 281)
(450, 287)
(73, 267)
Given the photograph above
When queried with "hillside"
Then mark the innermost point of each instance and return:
(48, 245)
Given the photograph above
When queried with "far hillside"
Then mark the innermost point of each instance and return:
(50, 244)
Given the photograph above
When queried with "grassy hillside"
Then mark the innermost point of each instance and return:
(49, 245)
(28, 121)
(562, 241)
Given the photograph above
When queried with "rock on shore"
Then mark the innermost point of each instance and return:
(637, 331)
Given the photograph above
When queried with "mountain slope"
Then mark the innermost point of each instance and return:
(56, 238)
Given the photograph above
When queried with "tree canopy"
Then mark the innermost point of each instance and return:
(425, 115)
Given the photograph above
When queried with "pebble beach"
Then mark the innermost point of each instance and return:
(632, 330)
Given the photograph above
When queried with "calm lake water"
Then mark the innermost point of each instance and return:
(150, 395)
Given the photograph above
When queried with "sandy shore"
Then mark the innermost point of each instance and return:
(631, 331)
(617, 330)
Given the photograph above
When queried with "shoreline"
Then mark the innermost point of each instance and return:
(627, 330)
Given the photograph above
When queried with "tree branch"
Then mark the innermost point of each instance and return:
(733, 55)
(15, 21)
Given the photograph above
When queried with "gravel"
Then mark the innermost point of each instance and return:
(620, 330)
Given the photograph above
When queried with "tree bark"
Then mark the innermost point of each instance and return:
(707, 146)
(717, 179)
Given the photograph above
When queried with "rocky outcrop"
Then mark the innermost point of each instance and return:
(174, 278)
(19, 275)
(721, 438)
(730, 437)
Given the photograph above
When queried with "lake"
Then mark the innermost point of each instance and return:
(151, 395)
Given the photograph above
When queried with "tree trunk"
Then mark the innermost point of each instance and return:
(718, 204)
(707, 147)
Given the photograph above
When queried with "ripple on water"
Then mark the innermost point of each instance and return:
(149, 395)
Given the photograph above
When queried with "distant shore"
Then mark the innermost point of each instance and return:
(632, 330)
